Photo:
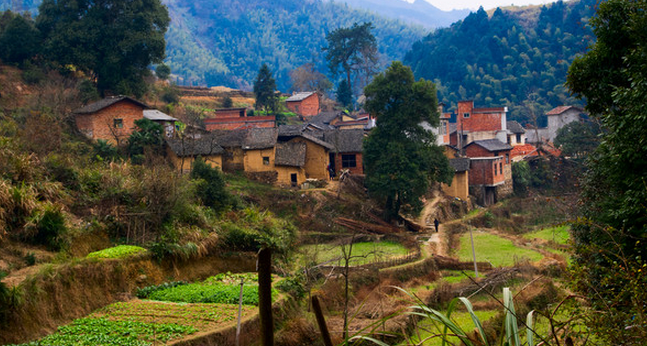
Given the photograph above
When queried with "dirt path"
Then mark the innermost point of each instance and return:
(436, 243)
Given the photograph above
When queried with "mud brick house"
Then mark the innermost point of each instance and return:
(490, 170)
(183, 151)
(237, 118)
(285, 156)
(346, 152)
(305, 104)
(111, 119)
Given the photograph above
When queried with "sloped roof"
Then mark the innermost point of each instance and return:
(524, 150)
(260, 138)
(317, 141)
(290, 130)
(300, 96)
(230, 138)
(561, 109)
(515, 127)
(192, 147)
(290, 154)
(323, 119)
(460, 164)
(155, 115)
(345, 141)
(107, 102)
(491, 144)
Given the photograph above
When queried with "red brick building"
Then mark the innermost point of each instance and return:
(111, 119)
(305, 104)
(478, 124)
(236, 118)
(490, 170)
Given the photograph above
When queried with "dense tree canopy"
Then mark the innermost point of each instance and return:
(113, 41)
(400, 156)
(19, 38)
(508, 58)
(353, 50)
(609, 241)
(225, 42)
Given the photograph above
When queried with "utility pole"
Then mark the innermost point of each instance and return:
(476, 270)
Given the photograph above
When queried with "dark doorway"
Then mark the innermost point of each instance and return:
(293, 179)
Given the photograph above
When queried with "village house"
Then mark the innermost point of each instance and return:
(284, 156)
(346, 152)
(237, 118)
(167, 121)
(490, 170)
(111, 119)
(474, 124)
(304, 104)
(182, 152)
(558, 117)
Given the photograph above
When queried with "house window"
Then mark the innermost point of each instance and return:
(507, 158)
(348, 161)
(518, 138)
(118, 123)
(466, 115)
(501, 167)
(495, 168)
(266, 160)
(296, 109)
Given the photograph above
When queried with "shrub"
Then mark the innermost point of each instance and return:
(293, 286)
(47, 227)
(210, 185)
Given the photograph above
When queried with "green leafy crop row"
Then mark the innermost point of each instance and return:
(208, 293)
(120, 251)
(102, 331)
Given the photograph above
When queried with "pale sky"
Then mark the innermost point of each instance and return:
(447, 5)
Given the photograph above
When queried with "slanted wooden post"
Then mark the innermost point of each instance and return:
(321, 321)
(265, 296)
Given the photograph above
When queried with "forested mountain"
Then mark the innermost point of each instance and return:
(226, 42)
(516, 59)
(419, 12)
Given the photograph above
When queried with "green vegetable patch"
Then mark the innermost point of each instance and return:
(121, 251)
(221, 289)
(558, 235)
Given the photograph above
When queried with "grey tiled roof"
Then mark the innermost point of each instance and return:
(290, 154)
(515, 127)
(106, 102)
(492, 144)
(155, 115)
(345, 141)
(260, 138)
(192, 147)
(299, 96)
(461, 164)
(323, 119)
(290, 130)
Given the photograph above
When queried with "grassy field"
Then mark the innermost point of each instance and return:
(362, 253)
(499, 251)
(427, 329)
(559, 234)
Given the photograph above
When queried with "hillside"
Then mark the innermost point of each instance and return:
(515, 58)
(226, 42)
(419, 12)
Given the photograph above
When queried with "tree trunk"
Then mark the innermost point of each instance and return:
(265, 296)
